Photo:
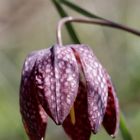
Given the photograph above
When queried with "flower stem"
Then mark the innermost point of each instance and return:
(69, 27)
(100, 22)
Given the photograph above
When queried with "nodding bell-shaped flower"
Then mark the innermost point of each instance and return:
(68, 84)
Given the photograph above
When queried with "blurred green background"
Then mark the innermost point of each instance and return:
(27, 25)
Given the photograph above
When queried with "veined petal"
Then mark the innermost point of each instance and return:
(57, 82)
(111, 118)
(81, 129)
(96, 84)
(33, 116)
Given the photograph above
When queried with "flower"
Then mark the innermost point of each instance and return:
(69, 84)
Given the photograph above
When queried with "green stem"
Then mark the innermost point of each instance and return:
(124, 130)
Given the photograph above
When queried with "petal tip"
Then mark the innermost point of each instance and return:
(113, 136)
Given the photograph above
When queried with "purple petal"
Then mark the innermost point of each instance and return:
(33, 116)
(81, 129)
(57, 82)
(96, 84)
(111, 118)
(67, 80)
(45, 82)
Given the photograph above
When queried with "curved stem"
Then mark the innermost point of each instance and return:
(100, 22)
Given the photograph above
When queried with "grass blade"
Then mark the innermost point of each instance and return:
(124, 130)
(78, 9)
(89, 14)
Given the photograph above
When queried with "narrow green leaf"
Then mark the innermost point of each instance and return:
(124, 130)
(69, 26)
(78, 9)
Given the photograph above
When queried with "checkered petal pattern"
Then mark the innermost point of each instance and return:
(56, 79)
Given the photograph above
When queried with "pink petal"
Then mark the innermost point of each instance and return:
(111, 118)
(33, 116)
(96, 84)
(57, 82)
(81, 129)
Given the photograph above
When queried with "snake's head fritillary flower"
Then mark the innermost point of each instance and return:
(69, 85)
